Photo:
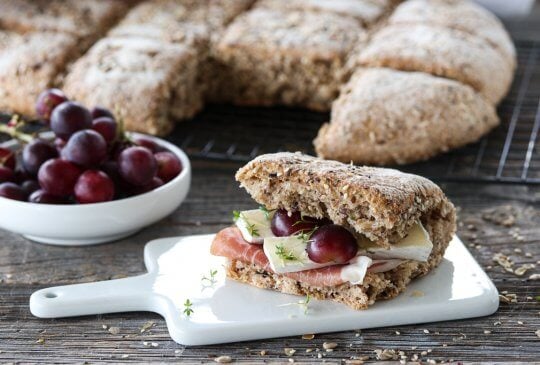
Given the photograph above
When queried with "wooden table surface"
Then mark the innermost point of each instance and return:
(493, 219)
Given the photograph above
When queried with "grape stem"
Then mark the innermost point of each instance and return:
(12, 130)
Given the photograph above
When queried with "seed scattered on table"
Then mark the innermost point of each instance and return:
(114, 330)
(223, 359)
(426, 331)
(289, 351)
(417, 294)
(263, 352)
(329, 345)
(40, 340)
(487, 332)
(308, 336)
(145, 327)
(385, 354)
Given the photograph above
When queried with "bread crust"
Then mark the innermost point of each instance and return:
(367, 12)
(386, 117)
(286, 57)
(444, 52)
(137, 76)
(81, 19)
(29, 64)
(381, 204)
(458, 14)
(376, 286)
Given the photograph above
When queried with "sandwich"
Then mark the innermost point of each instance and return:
(335, 231)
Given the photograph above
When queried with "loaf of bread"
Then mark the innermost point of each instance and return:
(315, 54)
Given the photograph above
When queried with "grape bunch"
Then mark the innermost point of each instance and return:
(91, 159)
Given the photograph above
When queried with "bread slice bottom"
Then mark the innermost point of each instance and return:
(375, 286)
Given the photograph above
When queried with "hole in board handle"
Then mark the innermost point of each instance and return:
(50, 295)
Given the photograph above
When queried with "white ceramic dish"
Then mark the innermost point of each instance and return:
(229, 311)
(76, 225)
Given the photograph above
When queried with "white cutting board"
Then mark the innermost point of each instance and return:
(229, 311)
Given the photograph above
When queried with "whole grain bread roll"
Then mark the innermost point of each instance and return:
(458, 14)
(378, 203)
(444, 52)
(386, 117)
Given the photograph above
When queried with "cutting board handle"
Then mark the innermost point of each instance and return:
(119, 295)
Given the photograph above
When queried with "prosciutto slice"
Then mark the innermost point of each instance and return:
(229, 243)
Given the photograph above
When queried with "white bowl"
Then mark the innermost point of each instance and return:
(86, 224)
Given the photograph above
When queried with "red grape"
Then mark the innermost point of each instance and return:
(59, 144)
(35, 154)
(286, 224)
(148, 143)
(86, 148)
(47, 101)
(105, 126)
(58, 177)
(332, 243)
(137, 166)
(137, 190)
(6, 175)
(29, 186)
(169, 166)
(42, 197)
(94, 186)
(99, 111)
(12, 191)
(21, 175)
(7, 158)
(68, 118)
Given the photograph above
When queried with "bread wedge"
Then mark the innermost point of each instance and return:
(392, 117)
(380, 205)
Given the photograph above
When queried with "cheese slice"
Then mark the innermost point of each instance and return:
(288, 254)
(255, 225)
(415, 246)
(356, 270)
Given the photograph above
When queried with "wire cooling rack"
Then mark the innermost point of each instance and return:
(509, 154)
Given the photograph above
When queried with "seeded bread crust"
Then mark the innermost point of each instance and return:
(86, 20)
(386, 117)
(458, 14)
(29, 64)
(139, 77)
(288, 57)
(444, 52)
(376, 286)
(367, 12)
(381, 204)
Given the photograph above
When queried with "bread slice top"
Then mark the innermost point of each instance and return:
(380, 204)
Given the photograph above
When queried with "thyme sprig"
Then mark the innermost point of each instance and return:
(304, 304)
(210, 280)
(285, 254)
(249, 226)
(266, 212)
(188, 310)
